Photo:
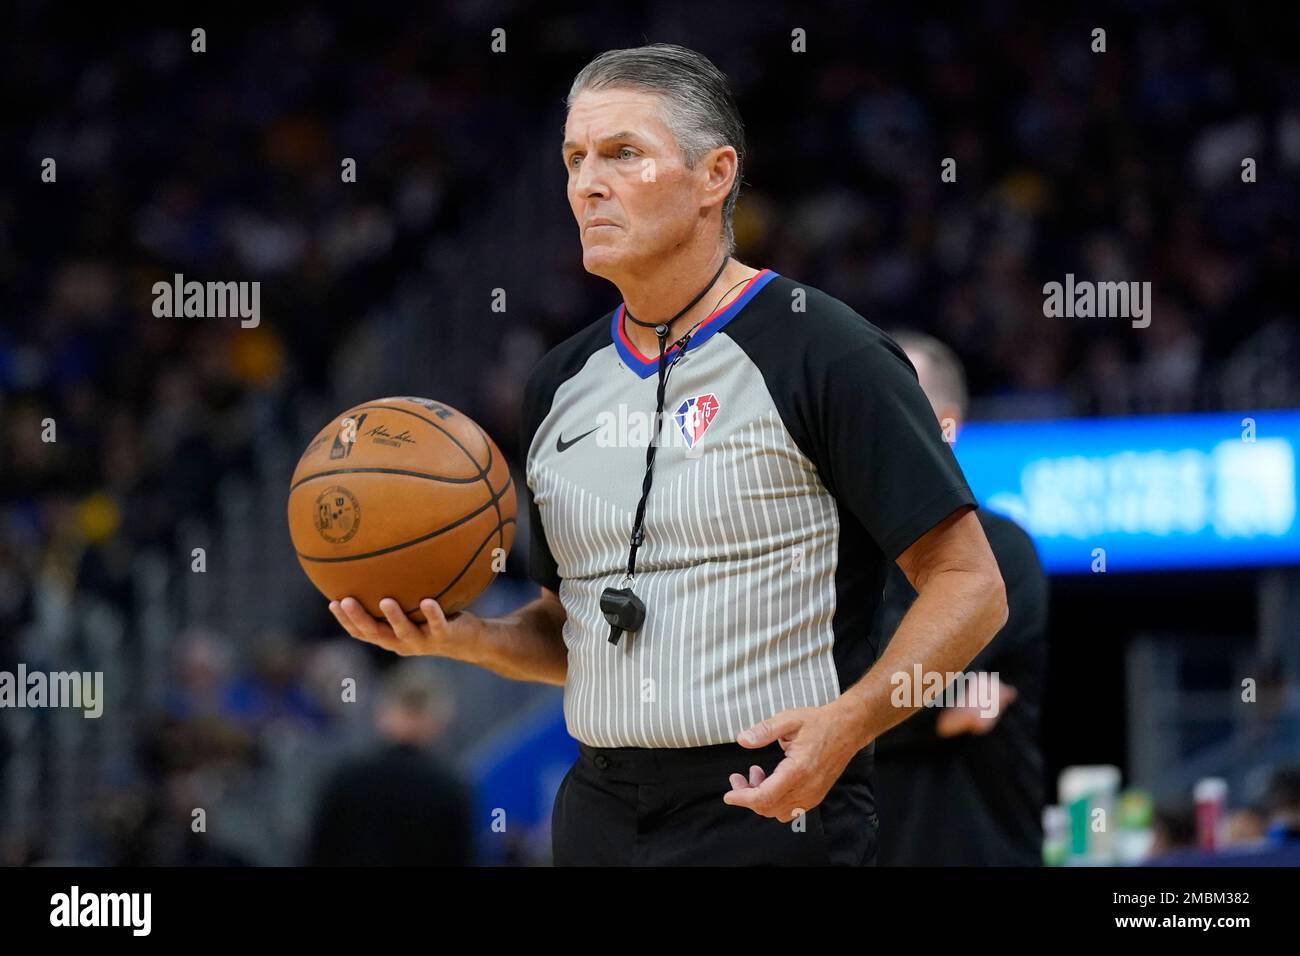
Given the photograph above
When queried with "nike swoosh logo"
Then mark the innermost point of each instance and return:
(562, 446)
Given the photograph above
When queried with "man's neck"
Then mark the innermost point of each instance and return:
(657, 297)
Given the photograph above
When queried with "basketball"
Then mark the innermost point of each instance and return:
(404, 498)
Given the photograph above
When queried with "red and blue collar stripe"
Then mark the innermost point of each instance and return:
(645, 367)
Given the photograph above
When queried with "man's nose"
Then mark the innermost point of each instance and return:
(590, 181)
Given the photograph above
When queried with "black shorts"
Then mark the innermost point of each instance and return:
(638, 806)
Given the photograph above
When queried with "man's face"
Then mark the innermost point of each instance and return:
(629, 188)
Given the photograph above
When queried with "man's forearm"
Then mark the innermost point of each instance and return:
(952, 619)
(526, 645)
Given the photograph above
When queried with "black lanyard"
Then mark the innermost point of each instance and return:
(638, 532)
(620, 606)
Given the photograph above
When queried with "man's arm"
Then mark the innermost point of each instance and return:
(526, 645)
(960, 605)
(1007, 654)
(529, 644)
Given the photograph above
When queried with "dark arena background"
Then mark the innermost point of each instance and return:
(934, 167)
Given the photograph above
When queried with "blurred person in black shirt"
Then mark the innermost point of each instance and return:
(955, 788)
(400, 805)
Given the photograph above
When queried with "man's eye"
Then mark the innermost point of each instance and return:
(626, 152)
(575, 156)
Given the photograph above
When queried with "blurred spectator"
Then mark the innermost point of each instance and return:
(185, 765)
(328, 666)
(1175, 830)
(1173, 827)
(200, 678)
(274, 694)
(1282, 802)
(1245, 826)
(401, 805)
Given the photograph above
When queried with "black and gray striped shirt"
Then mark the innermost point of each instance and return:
(798, 458)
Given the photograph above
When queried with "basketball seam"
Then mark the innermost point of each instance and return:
(385, 471)
(477, 552)
(501, 538)
(491, 503)
(466, 567)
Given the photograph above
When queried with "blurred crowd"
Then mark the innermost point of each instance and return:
(1262, 831)
(118, 426)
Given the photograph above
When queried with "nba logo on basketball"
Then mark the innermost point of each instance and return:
(694, 417)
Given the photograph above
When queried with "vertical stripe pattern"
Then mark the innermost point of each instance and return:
(737, 570)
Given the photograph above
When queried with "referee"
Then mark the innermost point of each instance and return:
(962, 785)
(722, 471)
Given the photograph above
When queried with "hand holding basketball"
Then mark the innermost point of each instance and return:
(457, 638)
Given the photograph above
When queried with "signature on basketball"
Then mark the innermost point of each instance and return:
(382, 436)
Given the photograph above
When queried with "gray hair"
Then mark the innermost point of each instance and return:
(699, 107)
(418, 688)
(949, 376)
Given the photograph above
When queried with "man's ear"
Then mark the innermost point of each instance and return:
(720, 164)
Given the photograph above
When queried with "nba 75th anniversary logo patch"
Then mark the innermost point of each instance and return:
(695, 415)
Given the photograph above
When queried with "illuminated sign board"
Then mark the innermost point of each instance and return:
(1161, 492)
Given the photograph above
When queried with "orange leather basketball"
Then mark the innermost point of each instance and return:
(404, 498)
